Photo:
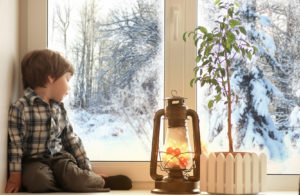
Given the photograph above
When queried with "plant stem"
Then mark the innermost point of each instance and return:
(229, 106)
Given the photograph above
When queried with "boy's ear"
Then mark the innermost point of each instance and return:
(51, 79)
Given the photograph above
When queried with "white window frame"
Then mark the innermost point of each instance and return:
(180, 16)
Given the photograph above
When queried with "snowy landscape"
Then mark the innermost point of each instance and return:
(118, 57)
(116, 48)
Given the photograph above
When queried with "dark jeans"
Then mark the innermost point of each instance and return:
(58, 173)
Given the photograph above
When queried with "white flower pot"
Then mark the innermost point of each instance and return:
(241, 173)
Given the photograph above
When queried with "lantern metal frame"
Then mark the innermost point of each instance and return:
(176, 181)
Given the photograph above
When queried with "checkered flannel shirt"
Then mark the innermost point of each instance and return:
(38, 130)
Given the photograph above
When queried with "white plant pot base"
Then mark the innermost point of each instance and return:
(233, 175)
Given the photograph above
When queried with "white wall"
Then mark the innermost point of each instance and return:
(9, 73)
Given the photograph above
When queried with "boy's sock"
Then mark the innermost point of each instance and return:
(118, 182)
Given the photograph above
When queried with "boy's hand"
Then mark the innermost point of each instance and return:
(102, 175)
(14, 182)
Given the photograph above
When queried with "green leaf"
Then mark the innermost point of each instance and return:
(215, 82)
(230, 11)
(216, 59)
(198, 58)
(243, 52)
(209, 37)
(216, 2)
(228, 45)
(195, 69)
(192, 82)
(249, 55)
(202, 45)
(242, 29)
(218, 97)
(234, 23)
(200, 51)
(219, 34)
(203, 82)
(210, 69)
(184, 38)
(196, 41)
(210, 103)
(255, 48)
(237, 49)
(205, 62)
(230, 37)
(216, 74)
(222, 72)
(222, 26)
(190, 33)
(228, 49)
(203, 29)
(208, 49)
(228, 62)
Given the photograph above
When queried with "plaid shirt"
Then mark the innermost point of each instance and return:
(38, 130)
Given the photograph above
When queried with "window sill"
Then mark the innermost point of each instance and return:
(142, 192)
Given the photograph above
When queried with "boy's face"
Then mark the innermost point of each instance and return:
(60, 87)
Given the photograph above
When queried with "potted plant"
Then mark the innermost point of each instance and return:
(216, 52)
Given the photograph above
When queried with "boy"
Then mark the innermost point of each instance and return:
(44, 154)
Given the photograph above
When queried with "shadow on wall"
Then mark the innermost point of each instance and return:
(16, 82)
(11, 91)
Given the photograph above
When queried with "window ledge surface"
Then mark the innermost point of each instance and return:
(142, 192)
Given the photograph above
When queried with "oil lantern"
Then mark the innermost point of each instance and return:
(177, 159)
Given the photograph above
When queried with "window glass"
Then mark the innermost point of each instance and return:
(267, 116)
(116, 47)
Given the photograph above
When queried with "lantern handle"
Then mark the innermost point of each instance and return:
(155, 143)
(174, 93)
(197, 145)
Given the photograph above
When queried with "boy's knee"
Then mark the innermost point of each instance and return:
(41, 185)
(39, 180)
(72, 178)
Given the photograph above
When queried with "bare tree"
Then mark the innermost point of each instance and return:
(86, 47)
(135, 38)
(63, 12)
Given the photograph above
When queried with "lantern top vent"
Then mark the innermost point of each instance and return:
(176, 111)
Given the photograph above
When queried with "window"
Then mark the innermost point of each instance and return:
(117, 50)
(179, 62)
(267, 116)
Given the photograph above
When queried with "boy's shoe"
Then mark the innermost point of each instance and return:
(118, 182)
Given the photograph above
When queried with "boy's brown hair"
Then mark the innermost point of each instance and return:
(37, 65)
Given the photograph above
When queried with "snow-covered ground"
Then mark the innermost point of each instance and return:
(107, 138)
